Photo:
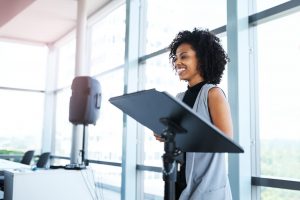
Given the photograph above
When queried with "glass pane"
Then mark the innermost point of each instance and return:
(279, 108)
(224, 81)
(59, 162)
(22, 66)
(108, 42)
(279, 194)
(66, 64)
(63, 128)
(109, 127)
(108, 179)
(153, 75)
(265, 4)
(177, 16)
(153, 185)
(21, 119)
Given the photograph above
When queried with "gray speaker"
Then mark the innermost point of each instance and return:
(85, 100)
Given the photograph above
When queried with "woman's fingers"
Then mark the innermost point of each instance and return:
(158, 137)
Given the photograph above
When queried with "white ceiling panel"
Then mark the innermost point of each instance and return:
(41, 21)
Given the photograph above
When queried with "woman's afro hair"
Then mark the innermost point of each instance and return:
(210, 54)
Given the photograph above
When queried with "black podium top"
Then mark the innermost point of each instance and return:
(155, 110)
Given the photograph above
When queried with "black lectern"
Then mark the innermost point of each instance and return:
(182, 128)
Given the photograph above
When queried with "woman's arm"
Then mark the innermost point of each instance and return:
(220, 111)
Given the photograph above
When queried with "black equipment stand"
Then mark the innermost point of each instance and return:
(171, 157)
(182, 129)
(84, 162)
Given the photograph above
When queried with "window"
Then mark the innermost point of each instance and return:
(66, 73)
(279, 109)
(275, 193)
(66, 64)
(153, 185)
(21, 120)
(224, 81)
(22, 66)
(179, 15)
(63, 128)
(109, 178)
(266, 4)
(105, 139)
(107, 52)
(108, 42)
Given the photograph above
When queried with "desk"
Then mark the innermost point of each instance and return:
(52, 184)
(10, 165)
(7, 164)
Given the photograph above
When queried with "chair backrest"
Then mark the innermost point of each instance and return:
(43, 160)
(27, 157)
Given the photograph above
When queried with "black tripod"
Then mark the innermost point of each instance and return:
(171, 157)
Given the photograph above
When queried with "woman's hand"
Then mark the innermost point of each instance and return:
(158, 137)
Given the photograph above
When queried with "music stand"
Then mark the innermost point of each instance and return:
(182, 128)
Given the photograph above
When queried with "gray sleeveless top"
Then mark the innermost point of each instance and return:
(206, 174)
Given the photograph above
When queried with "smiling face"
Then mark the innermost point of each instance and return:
(186, 63)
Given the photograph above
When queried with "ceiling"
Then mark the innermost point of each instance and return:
(41, 21)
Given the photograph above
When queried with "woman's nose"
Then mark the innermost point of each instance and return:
(178, 63)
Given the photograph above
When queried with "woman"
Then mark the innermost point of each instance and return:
(199, 59)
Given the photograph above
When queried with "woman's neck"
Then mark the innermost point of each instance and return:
(193, 82)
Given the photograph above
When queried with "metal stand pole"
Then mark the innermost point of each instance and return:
(169, 166)
(171, 157)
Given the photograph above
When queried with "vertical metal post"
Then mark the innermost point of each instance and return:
(239, 96)
(79, 70)
(49, 105)
(128, 185)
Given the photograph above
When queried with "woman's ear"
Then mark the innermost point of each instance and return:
(200, 69)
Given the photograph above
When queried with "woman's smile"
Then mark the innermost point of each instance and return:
(180, 71)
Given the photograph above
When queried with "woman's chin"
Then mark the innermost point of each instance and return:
(182, 78)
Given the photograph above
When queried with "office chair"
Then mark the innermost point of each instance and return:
(27, 157)
(43, 160)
